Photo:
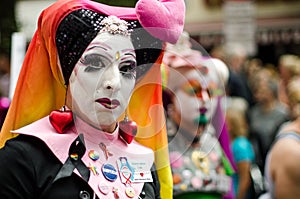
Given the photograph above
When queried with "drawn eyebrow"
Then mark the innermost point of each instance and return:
(93, 47)
(125, 50)
(100, 45)
(126, 56)
(129, 52)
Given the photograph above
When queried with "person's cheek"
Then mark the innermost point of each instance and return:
(188, 106)
(127, 86)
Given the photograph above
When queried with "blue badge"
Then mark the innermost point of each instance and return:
(109, 172)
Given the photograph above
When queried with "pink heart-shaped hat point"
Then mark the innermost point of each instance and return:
(162, 19)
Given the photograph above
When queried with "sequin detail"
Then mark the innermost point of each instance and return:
(80, 27)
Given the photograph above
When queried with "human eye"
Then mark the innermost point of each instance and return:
(128, 69)
(194, 91)
(93, 62)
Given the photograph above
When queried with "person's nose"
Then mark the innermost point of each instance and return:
(112, 78)
(204, 96)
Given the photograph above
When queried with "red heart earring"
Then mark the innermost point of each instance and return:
(61, 119)
(127, 129)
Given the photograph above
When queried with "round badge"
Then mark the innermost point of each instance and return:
(104, 188)
(94, 155)
(183, 187)
(130, 192)
(109, 172)
(213, 156)
(196, 182)
(201, 161)
(187, 174)
(176, 160)
(186, 160)
(176, 178)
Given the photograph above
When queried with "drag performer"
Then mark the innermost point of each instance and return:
(199, 166)
(64, 135)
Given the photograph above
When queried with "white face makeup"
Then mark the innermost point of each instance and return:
(188, 102)
(103, 79)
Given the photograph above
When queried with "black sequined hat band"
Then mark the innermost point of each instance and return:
(80, 27)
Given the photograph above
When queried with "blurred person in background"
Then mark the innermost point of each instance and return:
(4, 84)
(282, 164)
(4, 73)
(289, 67)
(249, 70)
(200, 168)
(242, 150)
(266, 116)
(235, 57)
(218, 52)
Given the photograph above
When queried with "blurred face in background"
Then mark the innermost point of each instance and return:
(190, 99)
(293, 90)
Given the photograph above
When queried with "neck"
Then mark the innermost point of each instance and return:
(296, 124)
(91, 132)
(103, 128)
(109, 129)
(82, 126)
(269, 105)
(189, 135)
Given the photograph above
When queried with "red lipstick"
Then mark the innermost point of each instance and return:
(107, 103)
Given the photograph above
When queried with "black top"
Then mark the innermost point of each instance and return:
(28, 168)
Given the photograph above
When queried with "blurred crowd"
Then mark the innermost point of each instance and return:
(258, 105)
(263, 107)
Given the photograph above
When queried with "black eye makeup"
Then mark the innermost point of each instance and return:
(128, 69)
(94, 62)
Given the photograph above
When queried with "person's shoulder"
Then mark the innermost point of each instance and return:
(23, 147)
(281, 108)
(242, 142)
(254, 111)
(284, 162)
(24, 142)
(286, 152)
(283, 146)
(243, 149)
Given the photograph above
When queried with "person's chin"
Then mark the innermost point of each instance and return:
(107, 125)
(105, 121)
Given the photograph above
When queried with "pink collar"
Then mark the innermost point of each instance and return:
(59, 144)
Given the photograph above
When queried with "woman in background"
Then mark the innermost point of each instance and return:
(282, 163)
(242, 150)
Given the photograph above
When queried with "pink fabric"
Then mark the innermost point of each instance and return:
(59, 144)
(125, 13)
(223, 135)
(190, 58)
(218, 122)
(162, 19)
